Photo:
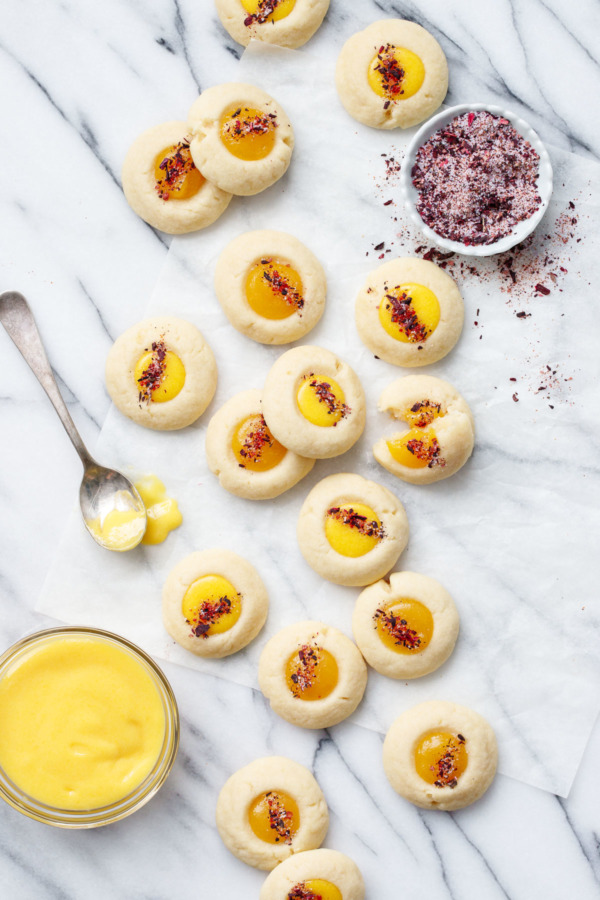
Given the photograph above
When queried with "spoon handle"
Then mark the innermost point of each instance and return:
(17, 318)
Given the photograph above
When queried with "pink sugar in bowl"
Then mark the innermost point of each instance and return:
(476, 179)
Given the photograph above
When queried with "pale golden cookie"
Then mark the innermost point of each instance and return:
(242, 140)
(316, 871)
(350, 530)
(161, 373)
(271, 287)
(244, 455)
(214, 603)
(454, 747)
(408, 88)
(314, 403)
(285, 804)
(405, 627)
(312, 675)
(163, 186)
(437, 434)
(409, 312)
(288, 23)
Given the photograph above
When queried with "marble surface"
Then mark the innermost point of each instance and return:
(79, 84)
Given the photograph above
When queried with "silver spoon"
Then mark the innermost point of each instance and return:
(102, 490)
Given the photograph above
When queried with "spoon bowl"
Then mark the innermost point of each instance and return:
(113, 511)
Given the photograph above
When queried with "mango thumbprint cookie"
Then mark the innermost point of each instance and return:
(242, 452)
(163, 186)
(314, 403)
(437, 433)
(350, 530)
(325, 874)
(440, 755)
(391, 75)
(241, 138)
(271, 809)
(405, 627)
(214, 603)
(409, 312)
(312, 674)
(288, 23)
(271, 287)
(161, 373)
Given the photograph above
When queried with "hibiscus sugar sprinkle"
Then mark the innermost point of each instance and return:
(348, 516)
(476, 178)
(255, 442)
(391, 73)
(280, 819)
(241, 126)
(175, 168)
(264, 10)
(399, 630)
(326, 396)
(280, 285)
(402, 314)
(305, 671)
(207, 614)
(152, 376)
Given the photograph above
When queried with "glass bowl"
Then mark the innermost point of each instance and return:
(104, 815)
(411, 195)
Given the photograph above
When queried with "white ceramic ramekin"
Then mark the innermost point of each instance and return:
(411, 195)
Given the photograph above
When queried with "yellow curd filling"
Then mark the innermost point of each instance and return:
(409, 313)
(262, 11)
(82, 723)
(321, 400)
(315, 889)
(311, 673)
(121, 529)
(248, 133)
(176, 176)
(395, 73)
(274, 289)
(441, 758)
(274, 817)
(162, 512)
(353, 530)
(211, 605)
(417, 449)
(405, 626)
(254, 446)
(159, 374)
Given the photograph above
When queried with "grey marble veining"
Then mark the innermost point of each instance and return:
(79, 82)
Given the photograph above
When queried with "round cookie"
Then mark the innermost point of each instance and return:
(350, 530)
(271, 287)
(312, 675)
(164, 187)
(409, 312)
(439, 433)
(314, 403)
(241, 138)
(161, 373)
(244, 455)
(393, 74)
(315, 872)
(214, 603)
(286, 805)
(406, 627)
(454, 748)
(288, 23)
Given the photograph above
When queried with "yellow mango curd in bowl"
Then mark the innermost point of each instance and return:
(89, 727)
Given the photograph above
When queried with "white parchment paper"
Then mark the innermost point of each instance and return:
(512, 535)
